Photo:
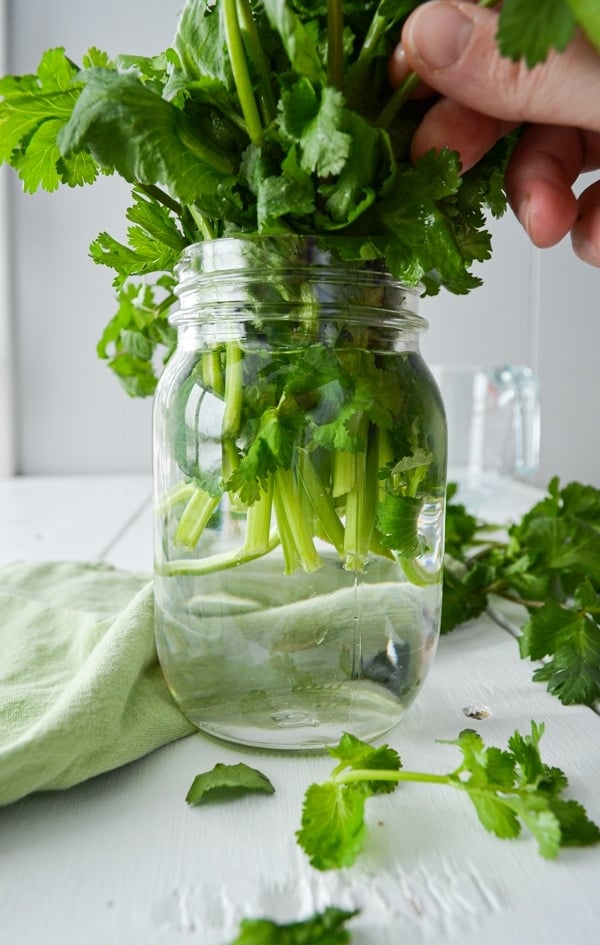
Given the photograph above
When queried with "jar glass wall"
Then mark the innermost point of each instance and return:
(299, 471)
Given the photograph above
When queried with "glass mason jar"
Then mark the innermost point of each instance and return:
(299, 470)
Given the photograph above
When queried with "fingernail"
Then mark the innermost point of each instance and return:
(523, 213)
(439, 34)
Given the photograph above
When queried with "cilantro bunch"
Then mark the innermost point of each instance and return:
(262, 117)
(549, 564)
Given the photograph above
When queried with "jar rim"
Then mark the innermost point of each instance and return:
(236, 270)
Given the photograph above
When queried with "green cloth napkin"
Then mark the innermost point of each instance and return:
(81, 691)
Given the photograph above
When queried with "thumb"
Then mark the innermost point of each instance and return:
(452, 46)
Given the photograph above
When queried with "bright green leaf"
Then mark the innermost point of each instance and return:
(227, 781)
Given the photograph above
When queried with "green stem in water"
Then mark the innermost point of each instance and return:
(320, 501)
(213, 563)
(212, 375)
(234, 389)
(343, 473)
(296, 539)
(241, 76)
(180, 492)
(195, 517)
(360, 512)
(335, 43)
(258, 523)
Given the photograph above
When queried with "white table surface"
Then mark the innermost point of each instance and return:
(123, 860)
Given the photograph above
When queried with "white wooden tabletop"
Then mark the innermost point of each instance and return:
(123, 860)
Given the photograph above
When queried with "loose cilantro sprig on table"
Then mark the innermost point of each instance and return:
(549, 563)
(509, 788)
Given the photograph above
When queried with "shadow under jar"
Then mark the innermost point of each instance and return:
(299, 488)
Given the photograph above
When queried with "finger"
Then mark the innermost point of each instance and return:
(538, 180)
(470, 133)
(585, 234)
(452, 46)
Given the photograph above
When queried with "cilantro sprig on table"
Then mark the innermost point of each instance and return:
(260, 118)
(509, 788)
(549, 564)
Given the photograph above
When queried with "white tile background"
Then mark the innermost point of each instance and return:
(69, 414)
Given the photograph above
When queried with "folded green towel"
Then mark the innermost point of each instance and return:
(81, 691)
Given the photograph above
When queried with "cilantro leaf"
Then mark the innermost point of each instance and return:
(397, 518)
(527, 30)
(355, 754)
(227, 781)
(313, 120)
(465, 595)
(333, 828)
(588, 17)
(325, 928)
(154, 242)
(33, 111)
(569, 637)
(298, 38)
(127, 126)
(135, 332)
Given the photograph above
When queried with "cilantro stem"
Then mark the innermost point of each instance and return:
(212, 375)
(381, 774)
(258, 522)
(234, 380)
(343, 473)
(219, 562)
(360, 511)
(266, 97)
(376, 30)
(320, 501)
(397, 100)
(178, 493)
(195, 517)
(241, 76)
(202, 223)
(335, 43)
(157, 194)
(230, 457)
(296, 539)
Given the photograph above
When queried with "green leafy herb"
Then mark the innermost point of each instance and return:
(261, 118)
(509, 788)
(227, 781)
(549, 563)
(324, 928)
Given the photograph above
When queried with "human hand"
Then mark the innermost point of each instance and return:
(451, 45)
